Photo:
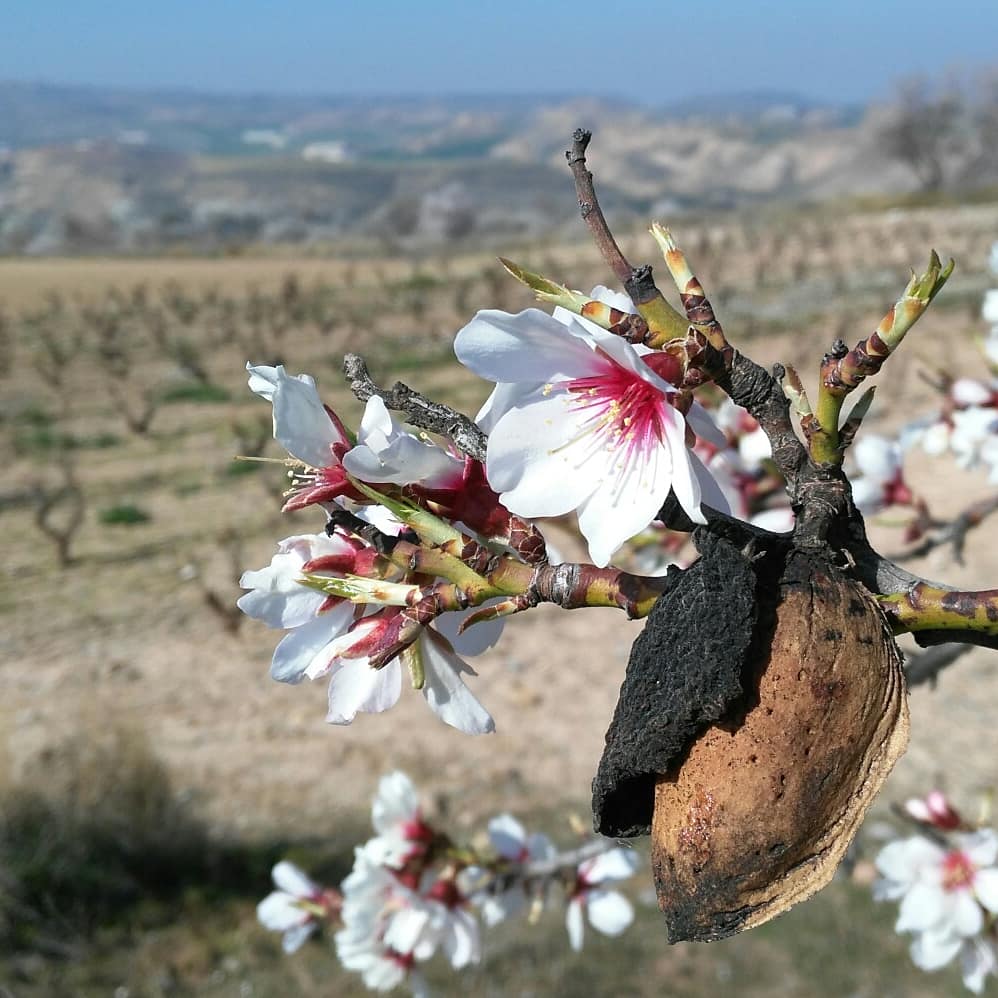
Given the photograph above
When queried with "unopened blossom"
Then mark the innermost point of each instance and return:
(608, 910)
(934, 809)
(944, 891)
(295, 907)
(581, 421)
(879, 479)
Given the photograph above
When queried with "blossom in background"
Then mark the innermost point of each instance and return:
(295, 907)
(879, 479)
(608, 910)
(518, 849)
(934, 809)
(580, 420)
(970, 434)
(944, 892)
(398, 819)
(330, 636)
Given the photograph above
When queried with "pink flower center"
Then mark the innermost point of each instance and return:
(958, 871)
(623, 412)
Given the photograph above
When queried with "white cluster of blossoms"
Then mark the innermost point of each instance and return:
(946, 880)
(967, 426)
(412, 893)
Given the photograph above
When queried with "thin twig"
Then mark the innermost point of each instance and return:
(418, 409)
(954, 533)
(590, 209)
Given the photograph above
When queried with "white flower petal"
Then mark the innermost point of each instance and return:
(684, 480)
(981, 847)
(977, 960)
(508, 836)
(902, 860)
(704, 426)
(574, 923)
(615, 299)
(445, 691)
(298, 654)
(711, 492)
(989, 308)
(406, 928)
(537, 459)
(296, 937)
(289, 878)
(301, 424)
(932, 950)
(966, 916)
(476, 639)
(609, 912)
(614, 864)
(878, 458)
(923, 907)
(505, 396)
(355, 687)
(462, 941)
(279, 912)
(263, 380)
(986, 889)
(396, 801)
(497, 345)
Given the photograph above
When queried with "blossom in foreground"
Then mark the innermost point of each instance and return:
(580, 420)
(944, 891)
(330, 636)
(295, 907)
(608, 910)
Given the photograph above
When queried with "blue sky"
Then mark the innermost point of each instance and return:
(639, 49)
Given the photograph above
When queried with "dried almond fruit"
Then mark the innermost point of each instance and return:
(761, 808)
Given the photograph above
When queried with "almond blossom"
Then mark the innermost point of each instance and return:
(944, 894)
(608, 910)
(330, 636)
(512, 843)
(580, 420)
(879, 481)
(296, 906)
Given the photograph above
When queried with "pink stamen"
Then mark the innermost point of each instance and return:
(627, 413)
(958, 871)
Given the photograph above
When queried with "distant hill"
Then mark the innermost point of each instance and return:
(86, 169)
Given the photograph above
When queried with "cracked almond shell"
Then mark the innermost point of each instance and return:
(762, 808)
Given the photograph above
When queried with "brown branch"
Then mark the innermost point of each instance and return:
(418, 409)
(954, 533)
(590, 209)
